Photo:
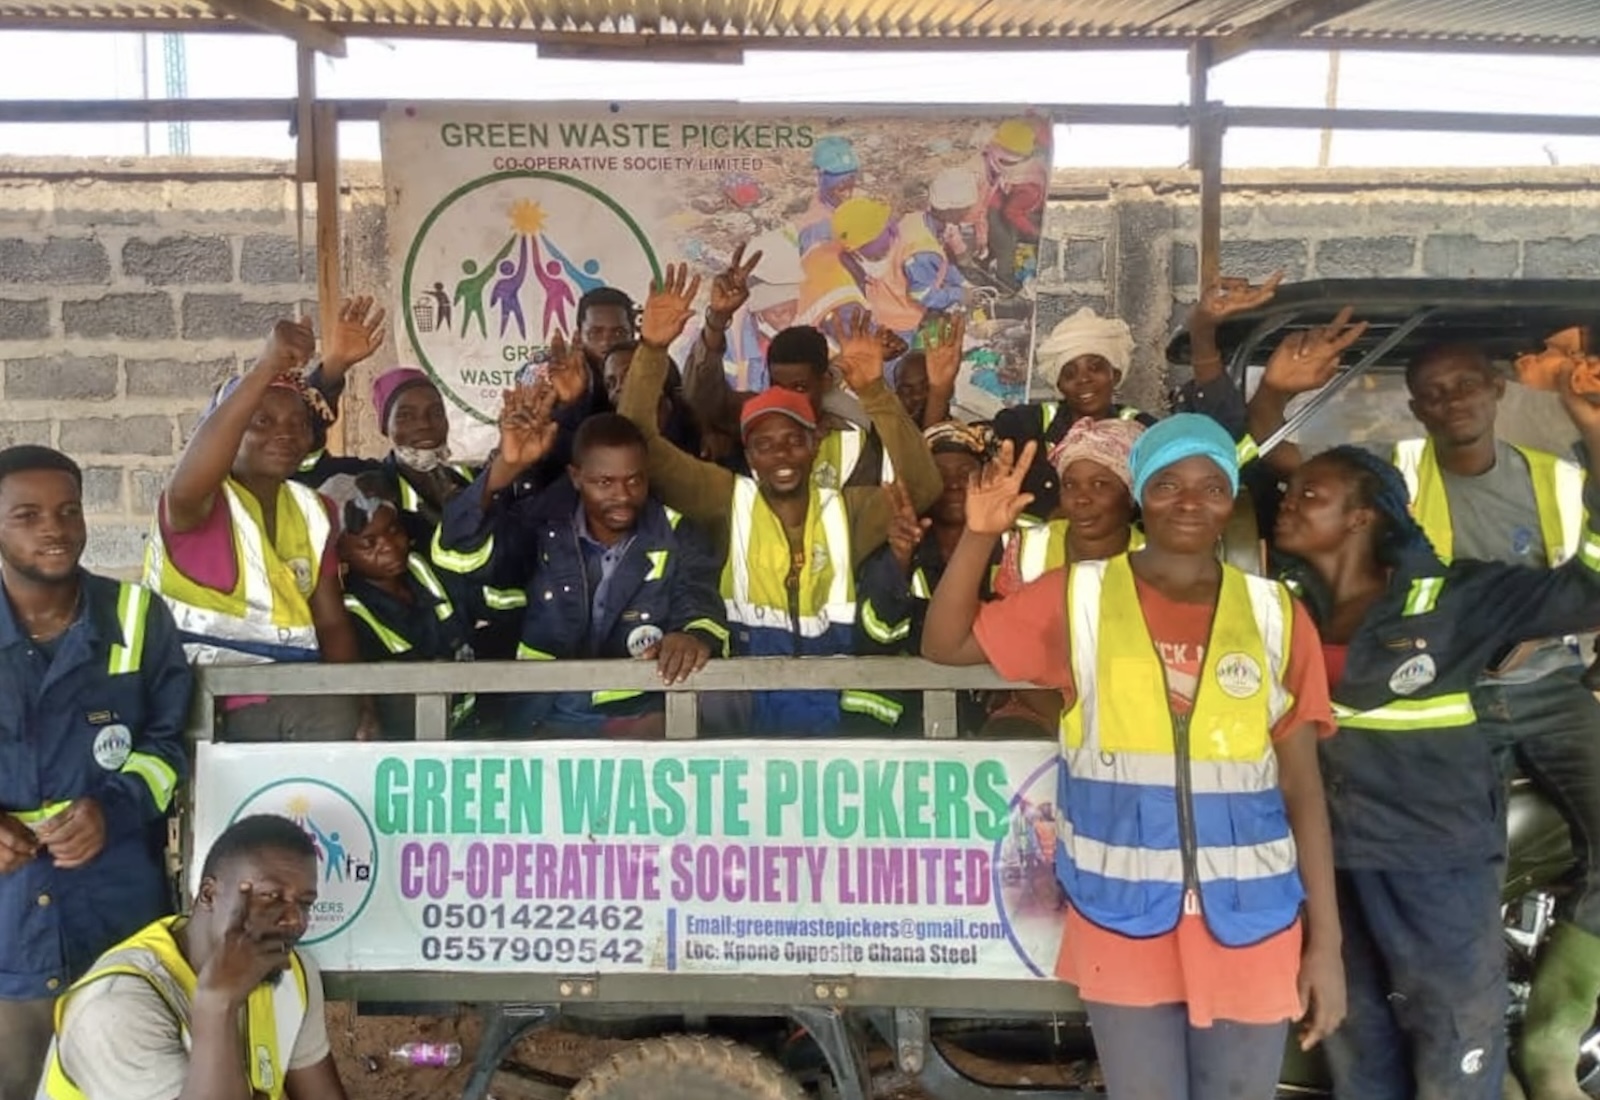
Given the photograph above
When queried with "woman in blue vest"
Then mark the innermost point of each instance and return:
(1413, 791)
(1194, 845)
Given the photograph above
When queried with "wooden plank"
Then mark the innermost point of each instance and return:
(281, 20)
(325, 132)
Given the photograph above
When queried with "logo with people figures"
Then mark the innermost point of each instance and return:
(347, 847)
(496, 270)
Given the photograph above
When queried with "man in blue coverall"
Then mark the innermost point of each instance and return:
(94, 690)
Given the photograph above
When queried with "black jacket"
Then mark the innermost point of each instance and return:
(1426, 795)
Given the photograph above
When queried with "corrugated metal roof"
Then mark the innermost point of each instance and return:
(1512, 23)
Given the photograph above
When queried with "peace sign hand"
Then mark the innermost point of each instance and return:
(1228, 296)
(1308, 359)
(905, 529)
(994, 494)
(943, 342)
(731, 289)
(668, 308)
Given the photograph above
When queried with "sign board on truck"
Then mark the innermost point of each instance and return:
(881, 858)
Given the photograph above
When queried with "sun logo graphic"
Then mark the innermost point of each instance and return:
(497, 269)
(346, 845)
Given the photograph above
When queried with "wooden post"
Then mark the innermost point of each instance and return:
(1205, 156)
(325, 144)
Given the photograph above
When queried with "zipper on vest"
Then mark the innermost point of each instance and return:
(1186, 827)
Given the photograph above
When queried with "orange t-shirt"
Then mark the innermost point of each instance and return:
(1025, 638)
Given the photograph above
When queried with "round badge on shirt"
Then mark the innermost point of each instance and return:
(1239, 674)
(1414, 675)
(112, 746)
(641, 639)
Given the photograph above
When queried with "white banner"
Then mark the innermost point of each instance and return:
(501, 216)
(890, 859)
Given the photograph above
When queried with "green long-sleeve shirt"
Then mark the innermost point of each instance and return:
(703, 491)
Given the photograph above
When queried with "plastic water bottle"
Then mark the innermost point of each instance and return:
(428, 1054)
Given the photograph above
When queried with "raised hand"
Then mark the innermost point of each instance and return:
(1581, 407)
(567, 371)
(527, 432)
(76, 835)
(1308, 359)
(905, 529)
(994, 495)
(246, 957)
(943, 343)
(289, 347)
(356, 334)
(668, 308)
(1228, 296)
(731, 289)
(861, 350)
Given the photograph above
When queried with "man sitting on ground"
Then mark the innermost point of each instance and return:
(217, 1005)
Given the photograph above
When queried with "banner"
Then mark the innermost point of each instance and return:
(890, 859)
(502, 216)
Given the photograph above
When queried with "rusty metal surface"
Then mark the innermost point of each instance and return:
(776, 23)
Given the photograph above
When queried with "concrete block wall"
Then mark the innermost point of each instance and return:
(129, 289)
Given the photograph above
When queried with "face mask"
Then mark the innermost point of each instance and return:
(423, 461)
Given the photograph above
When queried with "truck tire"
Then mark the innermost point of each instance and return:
(688, 1067)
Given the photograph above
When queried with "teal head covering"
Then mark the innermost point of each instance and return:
(1176, 438)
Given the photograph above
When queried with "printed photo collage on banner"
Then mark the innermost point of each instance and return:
(503, 216)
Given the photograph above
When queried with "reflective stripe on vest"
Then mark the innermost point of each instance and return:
(393, 641)
(1449, 711)
(133, 603)
(1557, 494)
(526, 652)
(1119, 858)
(273, 1013)
(838, 454)
(459, 561)
(871, 704)
(267, 616)
(420, 569)
(759, 563)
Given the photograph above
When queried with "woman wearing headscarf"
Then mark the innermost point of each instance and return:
(245, 557)
(1193, 845)
(1413, 791)
(896, 581)
(411, 415)
(1093, 518)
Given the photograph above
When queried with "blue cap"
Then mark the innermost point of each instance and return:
(1176, 438)
(835, 155)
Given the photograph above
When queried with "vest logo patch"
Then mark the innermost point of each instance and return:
(1414, 675)
(301, 568)
(819, 558)
(264, 1074)
(112, 746)
(641, 639)
(1472, 1062)
(1239, 674)
(825, 475)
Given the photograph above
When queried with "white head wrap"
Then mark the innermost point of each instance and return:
(1084, 333)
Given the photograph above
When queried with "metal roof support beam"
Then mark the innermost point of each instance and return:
(274, 17)
(1286, 24)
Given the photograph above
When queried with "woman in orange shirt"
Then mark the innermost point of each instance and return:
(1194, 844)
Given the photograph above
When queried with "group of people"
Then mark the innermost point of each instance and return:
(1296, 813)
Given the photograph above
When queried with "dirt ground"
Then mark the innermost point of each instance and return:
(361, 1045)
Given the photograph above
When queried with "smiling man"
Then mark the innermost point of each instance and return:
(217, 1005)
(94, 690)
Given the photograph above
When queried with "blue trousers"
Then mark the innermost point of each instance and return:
(1154, 1054)
(1425, 967)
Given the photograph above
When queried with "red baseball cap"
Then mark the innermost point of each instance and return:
(776, 399)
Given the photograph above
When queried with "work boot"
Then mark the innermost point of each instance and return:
(1561, 1009)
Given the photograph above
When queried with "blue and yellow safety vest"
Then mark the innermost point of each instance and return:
(1163, 815)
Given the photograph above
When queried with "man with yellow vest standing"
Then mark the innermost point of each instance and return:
(1479, 497)
(217, 1005)
(94, 691)
(245, 557)
(793, 547)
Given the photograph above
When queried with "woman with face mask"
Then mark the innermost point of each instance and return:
(411, 415)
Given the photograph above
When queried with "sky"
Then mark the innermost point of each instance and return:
(95, 65)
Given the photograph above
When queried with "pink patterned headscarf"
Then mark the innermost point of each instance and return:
(1107, 442)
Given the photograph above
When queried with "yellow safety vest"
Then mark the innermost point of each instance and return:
(1557, 493)
(1134, 779)
(267, 614)
(838, 454)
(273, 1013)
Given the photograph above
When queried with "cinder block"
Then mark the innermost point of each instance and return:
(116, 548)
(69, 261)
(1083, 261)
(145, 487)
(24, 319)
(275, 259)
(178, 378)
(183, 259)
(102, 489)
(1462, 256)
(126, 316)
(62, 377)
(122, 435)
(1366, 257)
(230, 317)
(33, 432)
(1258, 259)
(1562, 259)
